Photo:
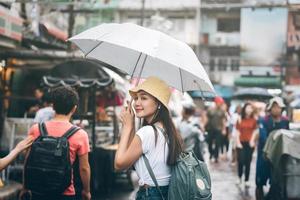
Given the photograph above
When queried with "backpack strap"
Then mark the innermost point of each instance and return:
(152, 175)
(42, 129)
(71, 131)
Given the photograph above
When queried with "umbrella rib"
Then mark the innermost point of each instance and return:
(142, 69)
(93, 48)
(136, 65)
(181, 79)
(202, 92)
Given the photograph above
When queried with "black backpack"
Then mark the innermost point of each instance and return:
(48, 169)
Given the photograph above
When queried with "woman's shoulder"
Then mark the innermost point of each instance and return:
(145, 130)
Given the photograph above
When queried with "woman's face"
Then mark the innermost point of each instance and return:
(145, 105)
(249, 110)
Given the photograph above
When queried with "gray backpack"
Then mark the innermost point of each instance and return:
(190, 179)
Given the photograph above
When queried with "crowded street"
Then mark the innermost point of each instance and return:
(223, 185)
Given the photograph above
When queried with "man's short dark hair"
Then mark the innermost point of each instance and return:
(46, 98)
(64, 98)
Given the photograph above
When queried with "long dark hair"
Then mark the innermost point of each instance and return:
(243, 112)
(174, 139)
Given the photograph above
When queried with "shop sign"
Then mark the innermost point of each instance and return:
(294, 31)
(10, 25)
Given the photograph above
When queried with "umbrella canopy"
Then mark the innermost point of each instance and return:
(82, 73)
(142, 52)
(252, 93)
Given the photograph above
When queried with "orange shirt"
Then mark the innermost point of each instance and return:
(79, 143)
(246, 128)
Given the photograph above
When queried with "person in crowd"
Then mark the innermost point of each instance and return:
(233, 136)
(215, 125)
(157, 139)
(46, 113)
(189, 128)
(21, 146)
(65, 101)
(37, 104)
(225, 133)
(272, 121)
(246, 127)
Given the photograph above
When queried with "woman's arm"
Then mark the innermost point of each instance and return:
(238, 134)
(127, 156)
(24, 144)
(128, 151)
(254, 138)
(238, 141)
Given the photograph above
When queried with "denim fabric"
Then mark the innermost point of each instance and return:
(63, 197)
(152, 193)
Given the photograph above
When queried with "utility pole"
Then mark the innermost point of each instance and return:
(142, 13)
(198, 27)
(71, 23)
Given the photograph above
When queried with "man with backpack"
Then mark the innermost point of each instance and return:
(273, 121)
(48, 165)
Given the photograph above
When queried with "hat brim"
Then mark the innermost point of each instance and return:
(280, 104)
(133, 93)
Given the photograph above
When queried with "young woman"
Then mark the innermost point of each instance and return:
(157, 139)
(246, 126)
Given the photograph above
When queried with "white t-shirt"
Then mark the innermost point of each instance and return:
(44, 114)
(157, 156)
(187, 127)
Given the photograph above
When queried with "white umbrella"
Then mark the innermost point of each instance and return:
(143, 52)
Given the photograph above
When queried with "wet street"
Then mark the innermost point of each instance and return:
(224, 187)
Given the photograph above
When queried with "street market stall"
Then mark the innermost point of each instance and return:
(96, 113)
(282, 149)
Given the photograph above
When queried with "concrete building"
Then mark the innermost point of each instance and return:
(220, 41)
(179, 19)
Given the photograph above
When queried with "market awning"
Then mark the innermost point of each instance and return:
(267, 82)
(81, 73)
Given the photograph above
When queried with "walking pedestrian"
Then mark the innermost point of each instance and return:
(157, 139)
(215, 126)
(225, 133)
(65, 102)
(246, 126)
(21, 146)
(272, 121)
(233, 132)
(189, 128)
(45, 113)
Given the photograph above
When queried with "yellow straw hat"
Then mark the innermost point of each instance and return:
(156, 87)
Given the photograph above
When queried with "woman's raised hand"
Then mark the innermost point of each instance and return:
(127, 116)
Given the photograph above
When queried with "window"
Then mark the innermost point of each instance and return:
(222, 64)
(228, 25)
(212, 65)
(297, 21)
(235, 65)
